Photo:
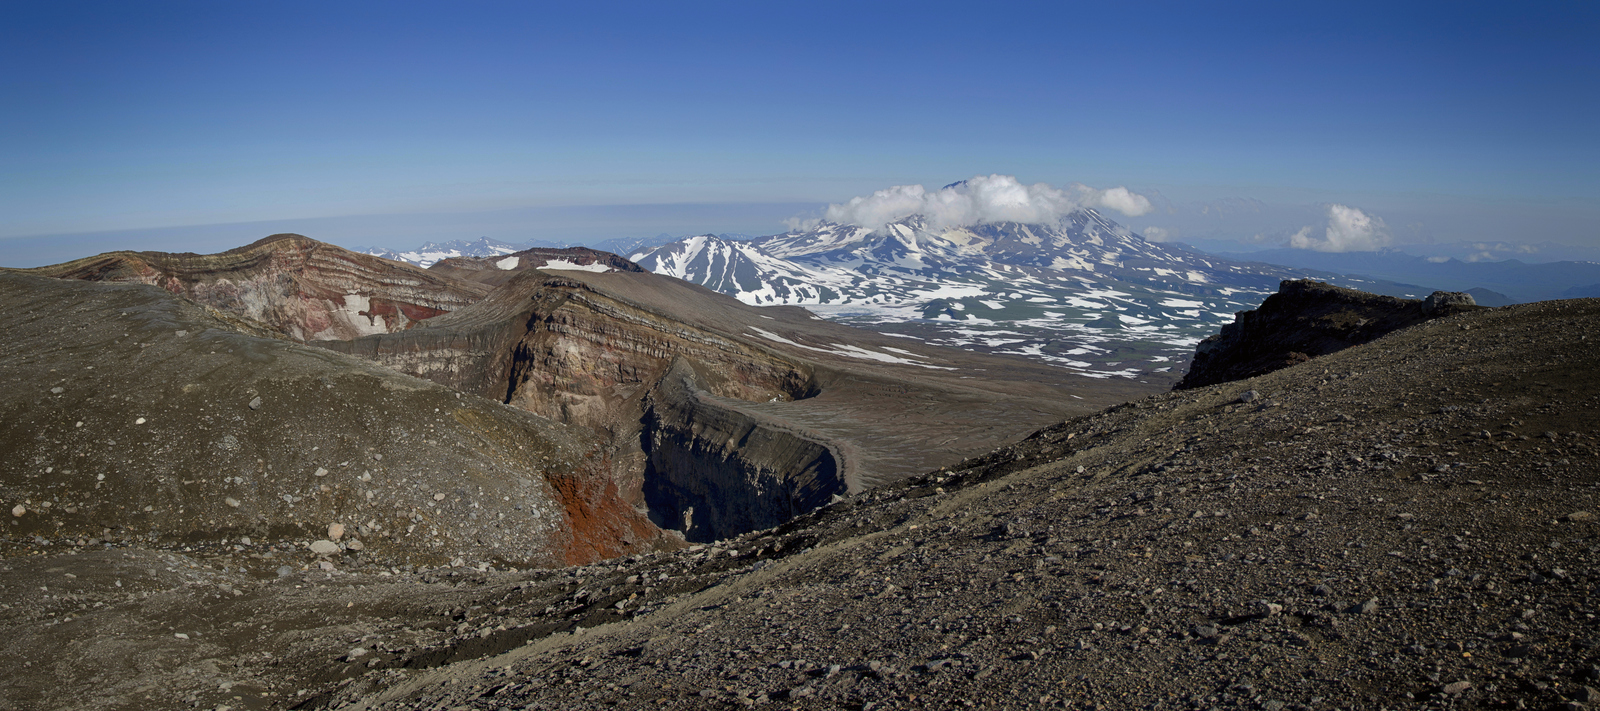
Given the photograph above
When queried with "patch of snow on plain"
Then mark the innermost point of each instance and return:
(508, 263)
(848, 351)
(560, 264)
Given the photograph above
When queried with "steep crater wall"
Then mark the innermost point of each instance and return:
(646, 386)
(714, 471)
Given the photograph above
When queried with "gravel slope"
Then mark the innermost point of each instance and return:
(1406, 522)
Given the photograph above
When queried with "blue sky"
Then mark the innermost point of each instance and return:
(1451, 120)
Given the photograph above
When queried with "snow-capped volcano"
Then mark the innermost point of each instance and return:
(1080, 291)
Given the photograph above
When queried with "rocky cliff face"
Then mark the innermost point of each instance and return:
(128, 414)
(298, 286)
(556, 347)
(773, 410)
(1306, 319)
(715, 469)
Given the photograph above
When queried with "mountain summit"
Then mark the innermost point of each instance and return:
(1080, 291)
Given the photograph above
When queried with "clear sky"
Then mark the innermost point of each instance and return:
(1447, 120)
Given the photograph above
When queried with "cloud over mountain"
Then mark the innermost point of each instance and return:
(982, 199)
(1348, 230)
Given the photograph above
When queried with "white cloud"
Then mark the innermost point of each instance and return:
(1158, 234)
(984, 198)
(1123, 200)
(1348, 230)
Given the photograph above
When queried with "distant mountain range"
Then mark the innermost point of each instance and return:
(1085, 293)
(431, 253)
(1520, 282)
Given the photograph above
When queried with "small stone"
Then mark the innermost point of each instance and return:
(325, 565)
(1587, 695)
(232, 502)
(354, 653)
(1578, 516)
(57, 390)
(1456, 687)
(180, 635)
(255, 404)
(1269, 608)
(438, 497)
(321, 472)
(324, 547)
(1249, 396)
(335, 531)
(1365, 607)
(355, 545)
(18, 510)
(285, 571)
(139, 421)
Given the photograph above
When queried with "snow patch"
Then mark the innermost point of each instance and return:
(562, 264)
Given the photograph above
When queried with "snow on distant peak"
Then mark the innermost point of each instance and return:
(432, 252)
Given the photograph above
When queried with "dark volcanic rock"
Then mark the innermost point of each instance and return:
(1306, 319)
(1183, 550)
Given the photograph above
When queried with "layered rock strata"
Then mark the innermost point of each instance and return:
(556, 347)
(297, 286)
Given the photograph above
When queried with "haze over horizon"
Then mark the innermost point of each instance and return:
(199, 127)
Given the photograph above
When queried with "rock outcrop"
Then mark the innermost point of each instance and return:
(302, 288)
(556, 347)
(1306, 319)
